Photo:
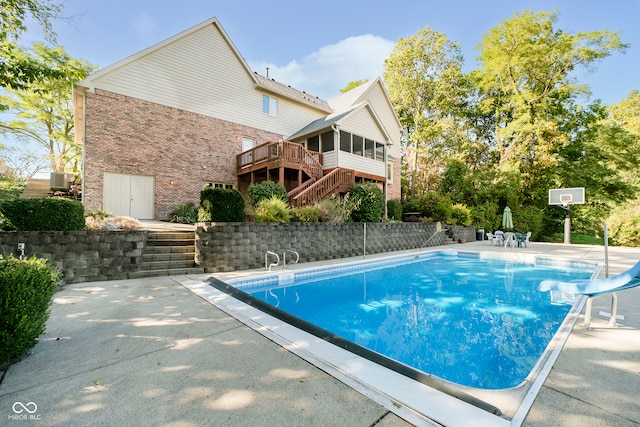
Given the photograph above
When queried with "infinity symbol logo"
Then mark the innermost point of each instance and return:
(20, 407)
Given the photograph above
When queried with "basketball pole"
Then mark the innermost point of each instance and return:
(567, 225)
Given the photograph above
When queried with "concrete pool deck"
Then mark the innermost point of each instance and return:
(150, 352)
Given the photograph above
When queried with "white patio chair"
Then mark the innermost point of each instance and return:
(491, 238)
(526, 239)
(510, 240)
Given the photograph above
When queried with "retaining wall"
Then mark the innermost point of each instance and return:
(222, 247)
(82, 256)
(87, 256)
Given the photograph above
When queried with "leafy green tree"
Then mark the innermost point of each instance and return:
(352, 85)
(45, 109)
(18, 71)
(425, 82)
(526, 77)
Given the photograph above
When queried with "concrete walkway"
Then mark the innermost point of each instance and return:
(149, 352)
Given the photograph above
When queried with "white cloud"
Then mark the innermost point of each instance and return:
(324, 72)
(143, 24)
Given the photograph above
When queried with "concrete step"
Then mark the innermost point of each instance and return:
(169, 249)
(170, 236)
(166, 272)
(169, 256)
(164, 265)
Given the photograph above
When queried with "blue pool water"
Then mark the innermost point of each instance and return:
(479, 323)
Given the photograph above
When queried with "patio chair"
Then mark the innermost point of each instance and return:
(596, 287)
(492, 238)
(525, 243)
(510, 240)
(499, 237)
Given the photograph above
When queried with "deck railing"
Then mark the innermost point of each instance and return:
(310, 192)
(282, 151)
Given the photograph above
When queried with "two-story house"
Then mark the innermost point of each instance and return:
(188, 112)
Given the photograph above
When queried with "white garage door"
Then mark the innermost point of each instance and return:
(129, 195)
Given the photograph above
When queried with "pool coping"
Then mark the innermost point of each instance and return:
(410, 399)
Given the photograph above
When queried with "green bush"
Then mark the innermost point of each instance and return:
(221, 205)
(186, 213)
(306, 214)
(434, 206)
(272, 210)
(624, 227)
(367, 201)
(47, 214)
(333, 210)
(10, 189)
(26, 289)
(266, 190)
(461, 215)
(394, 210)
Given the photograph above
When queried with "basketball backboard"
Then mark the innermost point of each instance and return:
(566, 196)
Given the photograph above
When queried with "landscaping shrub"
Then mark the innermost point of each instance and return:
(367, 201)
(461, 215)
(26, 289)
(306, 214)
(394, 210)
(272, 210)
(266, 190)
(333, 210)
(186, 213)
(10, 189)
(433, 206)
(221, 205)
(624, 227)
(47, 214)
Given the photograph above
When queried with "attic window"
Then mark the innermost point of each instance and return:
(269, 105)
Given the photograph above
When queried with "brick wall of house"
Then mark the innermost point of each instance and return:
(130, 136)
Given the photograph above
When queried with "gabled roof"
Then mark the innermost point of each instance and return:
(284, 90)
(337, 118)
(136, 56)
(359, 94)
(259, 81)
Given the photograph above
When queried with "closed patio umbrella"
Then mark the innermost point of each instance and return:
(507, 219)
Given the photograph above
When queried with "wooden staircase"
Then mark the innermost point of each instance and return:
(168, 253)
(339, 180)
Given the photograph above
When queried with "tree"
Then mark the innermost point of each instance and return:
(17, 71)
(352, 85)
(526, 78)
(45, 109)
(424, 79)
(21, 164)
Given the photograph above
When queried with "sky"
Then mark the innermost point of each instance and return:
(321, 46)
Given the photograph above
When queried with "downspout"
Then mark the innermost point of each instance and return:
(385, 190)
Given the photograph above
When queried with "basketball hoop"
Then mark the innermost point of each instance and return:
(565, 201)
(565, 197)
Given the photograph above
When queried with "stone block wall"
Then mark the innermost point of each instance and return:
(222, 247)
(82, 256)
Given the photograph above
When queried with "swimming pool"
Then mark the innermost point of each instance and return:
(455, 309)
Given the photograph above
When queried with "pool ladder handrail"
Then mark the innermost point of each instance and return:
(268, 266)
(284, 257)
(432, 236)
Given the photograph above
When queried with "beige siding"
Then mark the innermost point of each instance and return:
(334, 159)
(363, 123)
(200, 73)
(385, 112)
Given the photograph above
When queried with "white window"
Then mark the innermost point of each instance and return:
(269, 105)
(248, 143)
